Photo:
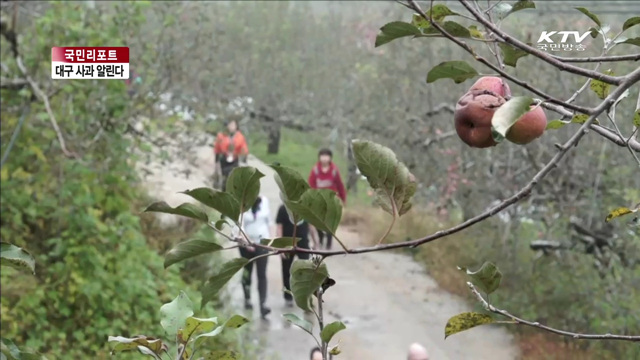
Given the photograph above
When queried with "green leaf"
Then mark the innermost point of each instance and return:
(335, 350)
(306, 278)
(156, 346)
(223, 202)
(28, 355)
(234, 322)
(521, 5)
(633, 41)
(555, 124)
(186, 209)
(193, 324)
(631, 22)
(458, 71)
(487, 278)
(619, 212)
(292, 185)
(282, 242)
(439, 12)
(244, 184)
(16, 257)
(174, 314)
(465, 321)
(511, 54)
(299, 322)
(395, 30)
(390, 178)
(330, 330)
(601, 88)
(590, 15)
(320, 207)
(636, 118)
(508, 114)
(581, 119)
(418, 21)
(220, 223)
(473, 30)
(216, 282)
(451, 27)
(221, 355)
(9, 349)
(189, 249)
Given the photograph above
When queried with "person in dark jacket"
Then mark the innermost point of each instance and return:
(285, 228)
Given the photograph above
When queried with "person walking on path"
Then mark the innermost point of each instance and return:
(230, 149)
(325, 175)
(256, 225)
(285, 228)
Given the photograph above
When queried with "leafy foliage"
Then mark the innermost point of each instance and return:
(178, 322)
(306, 279)
(395, 30)
(392, 181)
(487, 278)
(458, 71)
(76, 217)
(16, 257)
(465, 321)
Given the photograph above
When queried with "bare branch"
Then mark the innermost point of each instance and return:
(11, 37)
(632, 57)
(15, 133)
(44, 98)
(537, 325)
(430, 141)
(13, 84)
(614, 80)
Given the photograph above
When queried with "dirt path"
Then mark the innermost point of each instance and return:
(386, 300)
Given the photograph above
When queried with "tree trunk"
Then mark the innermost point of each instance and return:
(274, 139)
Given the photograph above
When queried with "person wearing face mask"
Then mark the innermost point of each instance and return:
(256, 224)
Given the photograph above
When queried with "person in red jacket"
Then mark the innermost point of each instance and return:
(325, 175)
(230, 149)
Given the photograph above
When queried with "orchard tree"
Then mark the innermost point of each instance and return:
(487, 115)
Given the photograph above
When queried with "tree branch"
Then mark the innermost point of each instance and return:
(537, 325)
(497, 69)
(15, 133)
(12, 84)
(630, 80)
(550, 103)
(632, 57)
(614, 80)
(11, 37)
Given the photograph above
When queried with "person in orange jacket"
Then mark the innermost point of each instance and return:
(230, 149)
